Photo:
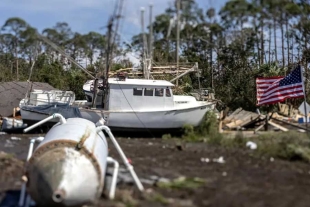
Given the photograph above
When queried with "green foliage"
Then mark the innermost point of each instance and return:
(238, 141)
(207, 131)
(156, 197)
(182, 183)
(285, 145)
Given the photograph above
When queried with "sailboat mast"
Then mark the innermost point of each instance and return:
(108, 48)
(110, 45)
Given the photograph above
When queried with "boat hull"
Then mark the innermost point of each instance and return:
(168, 120)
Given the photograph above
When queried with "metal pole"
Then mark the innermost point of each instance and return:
(178, 39)
(61, 119)
(94, 101)
(143, 43)
(305, 99)
(107, 67)
(123, 156)
(151, 33)
(211, 66)
(150, 42)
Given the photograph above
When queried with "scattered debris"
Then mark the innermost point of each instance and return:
(204, 159)
(8, 143)
(12, 123)
(240, 118)
(15, 138)
(287, 118)
(301, 130)
(218, 160)
(251, 145)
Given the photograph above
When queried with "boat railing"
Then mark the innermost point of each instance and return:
(49, 97)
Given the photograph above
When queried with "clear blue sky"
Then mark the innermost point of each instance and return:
(86, 15)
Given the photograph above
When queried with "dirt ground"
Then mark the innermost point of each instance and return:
(242, 180)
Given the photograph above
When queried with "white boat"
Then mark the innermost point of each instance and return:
(130, 104)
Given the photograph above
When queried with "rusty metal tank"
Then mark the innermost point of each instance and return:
(69, 165)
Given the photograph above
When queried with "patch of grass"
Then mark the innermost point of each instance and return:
(166, 136)
(290, 145)
(285, 145)
(238, 141)
(207, 131)
(182, 183)
(157, 197)
(126, 197)
(7, 155)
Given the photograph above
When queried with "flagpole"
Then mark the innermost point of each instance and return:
(305, 99)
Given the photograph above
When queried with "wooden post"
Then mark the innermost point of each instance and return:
(266, 120)
(221, 122)
(14, 112)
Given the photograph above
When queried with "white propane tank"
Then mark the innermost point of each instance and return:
(69, 165)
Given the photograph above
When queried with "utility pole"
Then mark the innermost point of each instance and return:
(178, 38)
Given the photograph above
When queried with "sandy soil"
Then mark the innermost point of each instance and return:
(243, 180)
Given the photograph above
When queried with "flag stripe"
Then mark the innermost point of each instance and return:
(261, 81)
(276, 89)
(282, 98)
(261, 93)
(287, 92)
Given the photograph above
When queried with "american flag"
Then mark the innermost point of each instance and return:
(276, 89)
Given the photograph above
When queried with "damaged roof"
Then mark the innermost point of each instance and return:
(11, 93)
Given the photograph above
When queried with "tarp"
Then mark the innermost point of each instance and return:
(65, 110)
(301, 108)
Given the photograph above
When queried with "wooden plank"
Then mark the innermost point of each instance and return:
(278, 126)
(291, 124)
(231, 116)
(258, 128)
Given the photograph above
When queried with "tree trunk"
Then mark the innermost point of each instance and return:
(257, 43)
(269, 54)
(282, 40)
(287, 41)
(16, 56)
(262, 41)
(275, 39)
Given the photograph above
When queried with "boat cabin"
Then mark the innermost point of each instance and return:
(139, 94)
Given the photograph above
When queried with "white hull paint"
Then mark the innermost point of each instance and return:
(166, 119)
